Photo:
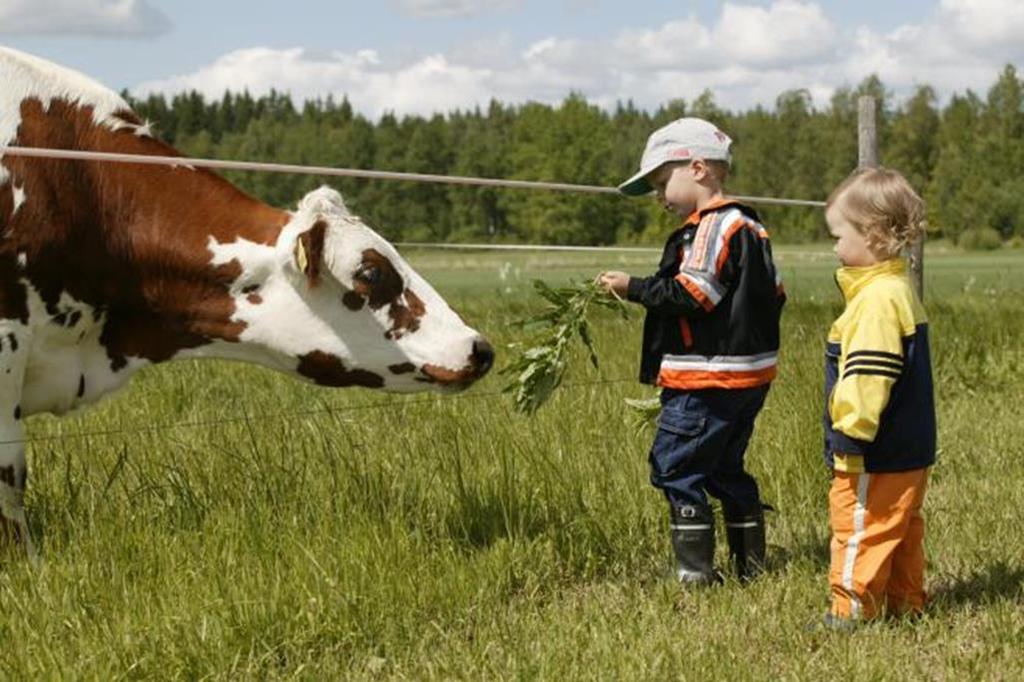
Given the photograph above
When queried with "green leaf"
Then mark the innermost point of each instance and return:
(645, 412)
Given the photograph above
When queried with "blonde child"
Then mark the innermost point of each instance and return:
(879, 412)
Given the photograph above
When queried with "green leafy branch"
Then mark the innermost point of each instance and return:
(538, 369)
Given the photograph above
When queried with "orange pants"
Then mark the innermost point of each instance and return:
(877, 543)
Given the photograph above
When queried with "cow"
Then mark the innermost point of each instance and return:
(106, 268)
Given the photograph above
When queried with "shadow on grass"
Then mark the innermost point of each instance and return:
(996, 582)
(482, 516)
(810, 548)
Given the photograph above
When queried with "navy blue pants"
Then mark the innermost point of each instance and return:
(699, 447)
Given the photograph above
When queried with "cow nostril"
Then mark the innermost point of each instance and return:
(483, 355)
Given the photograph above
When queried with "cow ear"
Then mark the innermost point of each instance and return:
(309, 251)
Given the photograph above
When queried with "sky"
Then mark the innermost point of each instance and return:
(427, 56)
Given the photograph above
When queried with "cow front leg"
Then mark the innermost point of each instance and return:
(14, 348)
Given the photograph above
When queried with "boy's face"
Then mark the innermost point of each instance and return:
(677, 186)
(851, 246)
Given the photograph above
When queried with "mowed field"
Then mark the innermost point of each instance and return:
(222, 521)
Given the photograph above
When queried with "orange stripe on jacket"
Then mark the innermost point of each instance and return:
(733, 229)
(723, 256)
(695, 291)
(695, 378)
(684, 329)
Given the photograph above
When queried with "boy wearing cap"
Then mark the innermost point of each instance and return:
(711, 335)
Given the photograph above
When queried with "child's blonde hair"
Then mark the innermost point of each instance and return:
(882, 206)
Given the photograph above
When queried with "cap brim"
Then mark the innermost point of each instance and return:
(637, 185)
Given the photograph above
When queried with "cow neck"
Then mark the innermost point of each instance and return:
(132, 241)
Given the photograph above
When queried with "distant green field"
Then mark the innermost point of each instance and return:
(807, 269)
(222, 521)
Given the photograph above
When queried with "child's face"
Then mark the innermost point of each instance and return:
(851, 246)
(677, 187)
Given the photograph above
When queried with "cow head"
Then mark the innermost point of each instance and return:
(379, 324)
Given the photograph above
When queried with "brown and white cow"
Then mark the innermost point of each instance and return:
(109, 267)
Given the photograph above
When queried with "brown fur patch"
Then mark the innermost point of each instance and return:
(442, 375)
(255, 299)
(13, 296)
(353, 301)
(388, 286)
(6, 202)
(128, 240)
(313, 242)
(403, 368)
(406, 318)
(388, 290)
(13, 301)
(328, 370)
(128, 116)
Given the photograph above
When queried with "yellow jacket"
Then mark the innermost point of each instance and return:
(880, 407)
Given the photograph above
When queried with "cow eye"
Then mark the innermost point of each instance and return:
(368, 275)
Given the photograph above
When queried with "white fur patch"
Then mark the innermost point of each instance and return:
(19, 198)
(62, 358)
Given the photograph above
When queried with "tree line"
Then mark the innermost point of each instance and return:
(965, 157)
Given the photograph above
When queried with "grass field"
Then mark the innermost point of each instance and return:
(267, 529)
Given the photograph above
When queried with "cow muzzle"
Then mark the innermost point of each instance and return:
(481, 359)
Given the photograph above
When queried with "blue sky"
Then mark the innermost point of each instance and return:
(419, 56)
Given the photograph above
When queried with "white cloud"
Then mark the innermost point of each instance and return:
(985, 22)
(963, 45)
(747, 56)
(450, 8)
(673, 45)
(427, 85)
(785, 33)
(112, 18)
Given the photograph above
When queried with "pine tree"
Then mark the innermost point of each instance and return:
(912, 147)
(951, 196)
(1001, 154)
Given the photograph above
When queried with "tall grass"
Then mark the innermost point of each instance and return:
(318, 534)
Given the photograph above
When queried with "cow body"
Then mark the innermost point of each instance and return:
(108, 267)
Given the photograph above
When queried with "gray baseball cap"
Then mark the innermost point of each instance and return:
(684, 139)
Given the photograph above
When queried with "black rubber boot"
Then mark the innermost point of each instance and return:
(693, 542)
(745, 534)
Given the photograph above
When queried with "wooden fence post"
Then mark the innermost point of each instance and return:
(867, 157)
(867, 133)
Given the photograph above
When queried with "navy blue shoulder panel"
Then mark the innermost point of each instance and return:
(906, 437)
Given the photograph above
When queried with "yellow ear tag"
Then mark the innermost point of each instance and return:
(300, 255)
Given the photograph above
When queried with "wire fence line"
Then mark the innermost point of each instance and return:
(218, 164)
(291, 416)
(526, 247)
(779, 255)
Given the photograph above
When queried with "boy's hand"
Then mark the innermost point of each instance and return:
(614, 282)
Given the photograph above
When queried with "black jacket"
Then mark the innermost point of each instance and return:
(714, 304)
